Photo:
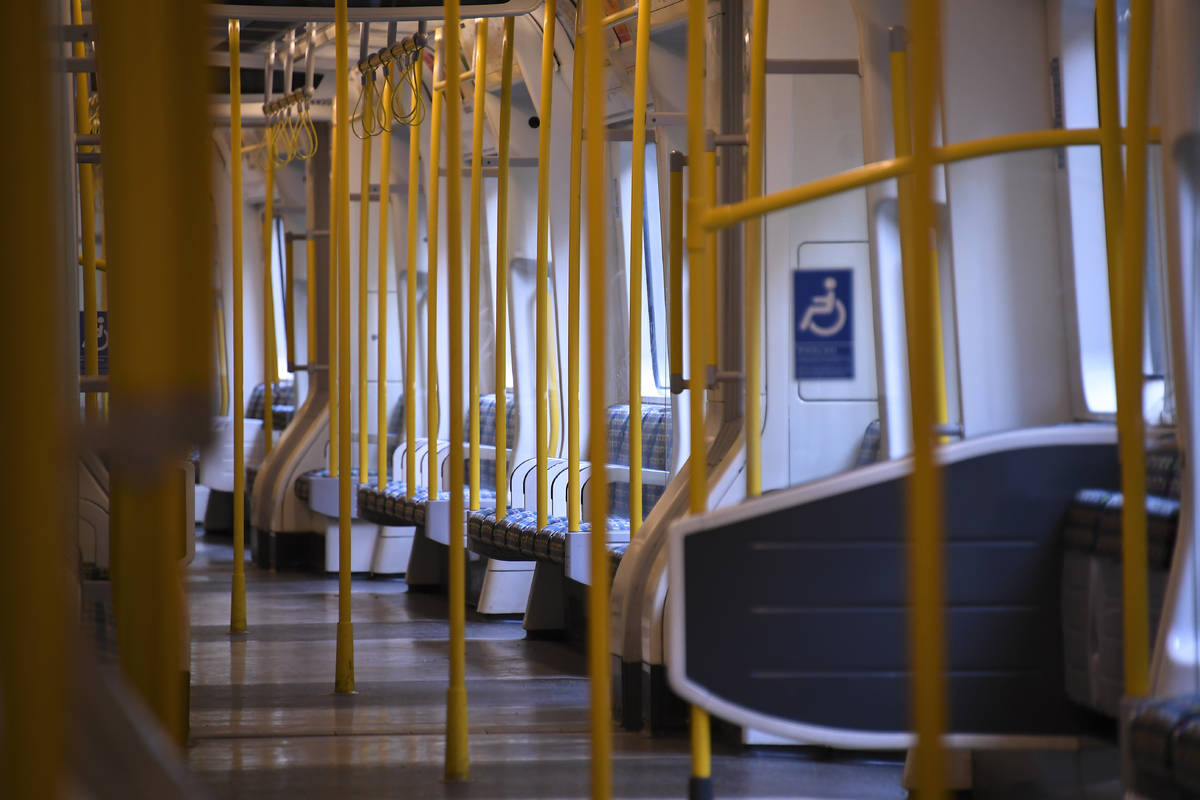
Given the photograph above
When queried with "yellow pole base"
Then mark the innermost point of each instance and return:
(237, 611)
(458, 761)
(343, 682)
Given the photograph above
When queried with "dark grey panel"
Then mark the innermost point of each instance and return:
(800, 613)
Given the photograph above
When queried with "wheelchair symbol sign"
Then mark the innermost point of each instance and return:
(823, 301)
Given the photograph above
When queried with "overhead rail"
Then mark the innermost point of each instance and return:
(476, 264)
(237, 606)
(501, 371)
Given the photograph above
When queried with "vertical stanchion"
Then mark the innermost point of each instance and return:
(431, 269)
(543, 265)
(289, 298)
(637, 194)
(1131, 421)
(237, 606)
(506, 76)
(1111, 155)
(410, 341)
(344, 659)
(268, 307)
(457, 757)
(36, 428)
(480, 62)
(579, 76)
(161, 372)
(598, 592)
(87, 228)
(755, 143)
(925, 535)
(332, 333)
(310, 269)
(385, 189)
(364, 265)
(700, 785)
(675, 273)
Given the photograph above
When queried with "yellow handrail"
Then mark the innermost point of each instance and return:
(87, 229)
(1131, 423)
(506, 78)
(344, 672)
(268, 296)
(310, 270)
(457, 757)
(675, 276)
(35, 643)
(697, 245)
(237, 607)
(543, 265)
(624, 15)
(410, 344)
(289, 297)
(481, 34)
(159, 366)
(755, 143)
(574, 490)
(334, 366)
(598, 590)
(431, 271)
(709, 160)
(385, 222)
(1111, 156)
(637, 202)
(364, 238)
(925, 536)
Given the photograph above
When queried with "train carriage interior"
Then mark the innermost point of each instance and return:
(601, 398)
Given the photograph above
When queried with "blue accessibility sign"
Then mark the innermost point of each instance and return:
(101, 343)
(823, 320)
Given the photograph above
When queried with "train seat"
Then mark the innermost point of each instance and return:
(869, 446)
(1164, 745)
(283, 403)
(1091, 578)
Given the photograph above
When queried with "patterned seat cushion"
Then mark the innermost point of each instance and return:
(516, 537)
(1164, 736)
(656, 452)
(283, 403)
(377, 505)
(1162, 522)
(487, 433)
(868, 448)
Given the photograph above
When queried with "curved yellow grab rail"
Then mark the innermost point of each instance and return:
(755, 144)
(574, 491)
(506, 78)
(431, 272)
(237, 606)
(543, 264)
(381, 356)
(1131, 420)
(700, 784)
(599, 668)
(477, 115)
(457, 757)
(364, 265)
(637, 204)
(410, 343)
(344, 674)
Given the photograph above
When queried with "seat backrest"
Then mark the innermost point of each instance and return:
(868, 448)
(283, 393)
(656, 452)
(487, 433)
(1163, 468)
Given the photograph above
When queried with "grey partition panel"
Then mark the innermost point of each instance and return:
(799, 614)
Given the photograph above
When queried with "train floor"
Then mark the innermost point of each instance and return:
(265, 722)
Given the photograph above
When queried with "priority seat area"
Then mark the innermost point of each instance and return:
(515, 536)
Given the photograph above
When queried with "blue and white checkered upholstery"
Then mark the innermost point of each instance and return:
(283, 403)
(868, 448)
(515, 536)
(487, 434)
(656, 452)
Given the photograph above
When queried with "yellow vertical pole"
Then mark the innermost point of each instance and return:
(506, 76)
(35, 427)
(431, 268)
(481, 35)
(574, 492)
(87, 227)
(385, 221)
(755, 144)
(334, 399)
(268, 247)
(289, 298)
(410, 343)
(598, 592)
(675, 276)
(457, 757)
(1131, 422)
(237, 607)
(543, 265)
(710, 264)
(161, 372)
(1111, 155)
(310, 337)
(364, 263)
(344, 659)
(637, 201)
(700, 784)
(925, 537)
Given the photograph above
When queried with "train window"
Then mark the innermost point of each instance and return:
(655, 377)
(1080, 109)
